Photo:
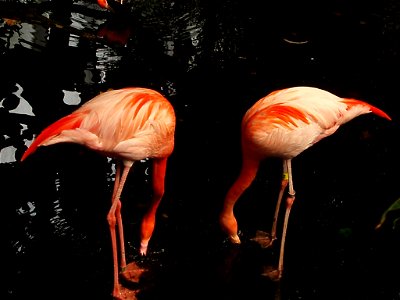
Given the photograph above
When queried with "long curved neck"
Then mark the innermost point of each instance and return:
(246, 177)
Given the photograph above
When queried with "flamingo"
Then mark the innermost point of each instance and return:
(128, 124)
(283, 124)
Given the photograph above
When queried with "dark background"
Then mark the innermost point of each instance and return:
(212, 60)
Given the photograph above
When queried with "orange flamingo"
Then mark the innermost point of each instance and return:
(283, 124)
(128, 124)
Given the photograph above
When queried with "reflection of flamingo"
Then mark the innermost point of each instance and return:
(103, 3)
(128, 124)
(283, 124)
(119, 27)
(112, 6)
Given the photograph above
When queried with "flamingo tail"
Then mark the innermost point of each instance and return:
(354, 102)
(68, 122)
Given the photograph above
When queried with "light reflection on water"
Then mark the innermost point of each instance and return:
(72, 97)
(82, 22)
(23, 106)
(7, 153)
(26, 35)
(27, 213)
(107, 59)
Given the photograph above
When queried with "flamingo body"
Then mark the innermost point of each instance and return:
(287, 122)
(128, 124)
(283, 124)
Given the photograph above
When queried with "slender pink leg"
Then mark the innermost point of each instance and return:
(149, 219)
(120, 225)
(289, 203)
(227, 219)
(114, 217)
(284, 184)
(119, 217)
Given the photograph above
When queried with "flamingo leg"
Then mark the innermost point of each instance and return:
(148, 222)
(119, 221)
(114, 218)
(227, 219)
(289, 202)
(118, 216)
(284, 184)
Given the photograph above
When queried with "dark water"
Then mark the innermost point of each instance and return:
(213, 60)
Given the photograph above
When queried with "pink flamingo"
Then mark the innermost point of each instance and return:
(128, 124)
(283, 124)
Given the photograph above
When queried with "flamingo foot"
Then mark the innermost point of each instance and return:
(263, 238)
(272, 273)
(143, 247)
(132, 272)
(228, 224)
(234, 239)
(124, 293)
